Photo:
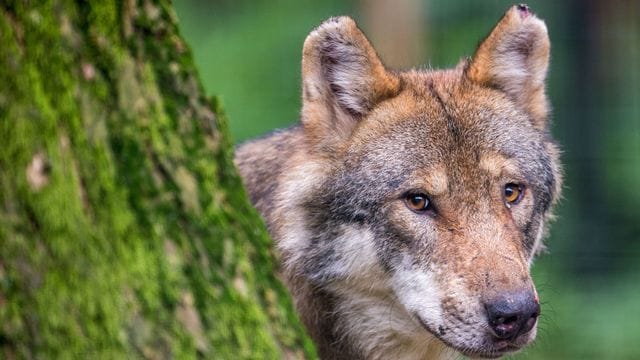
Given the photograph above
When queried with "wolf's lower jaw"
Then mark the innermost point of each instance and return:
(380, 328)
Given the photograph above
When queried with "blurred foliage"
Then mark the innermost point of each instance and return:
(248, 52)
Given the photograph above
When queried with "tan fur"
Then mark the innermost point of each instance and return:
(362, 78)
(497, 164)
(370, 277)
(514, 58)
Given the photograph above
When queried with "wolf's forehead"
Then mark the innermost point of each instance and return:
(433, 137)
(463, 122)
(439, 121)
(458, 138)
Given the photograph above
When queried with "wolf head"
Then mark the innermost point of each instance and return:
(422, 196)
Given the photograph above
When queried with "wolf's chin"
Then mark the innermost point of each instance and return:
(484, 352)
(490, 354)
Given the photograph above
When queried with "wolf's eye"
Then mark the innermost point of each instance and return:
(513, 193)
(417, 202)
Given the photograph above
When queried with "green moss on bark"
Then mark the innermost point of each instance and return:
(124, 231)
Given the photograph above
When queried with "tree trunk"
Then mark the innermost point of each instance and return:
(124, 230)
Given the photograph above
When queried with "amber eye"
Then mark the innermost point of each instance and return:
(417, 202)
(513, 193)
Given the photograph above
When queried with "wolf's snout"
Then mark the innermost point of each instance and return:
(512, 315)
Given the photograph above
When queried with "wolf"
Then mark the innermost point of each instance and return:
(407, 206)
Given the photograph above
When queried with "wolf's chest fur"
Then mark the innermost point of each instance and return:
(407, 206)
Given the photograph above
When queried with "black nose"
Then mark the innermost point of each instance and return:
(513, 314)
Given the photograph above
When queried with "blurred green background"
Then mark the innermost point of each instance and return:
(248, 53)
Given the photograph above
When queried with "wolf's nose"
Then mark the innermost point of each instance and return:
(512, 315)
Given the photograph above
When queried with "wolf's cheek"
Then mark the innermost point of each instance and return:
(445, 310)
(354, 260)
(418, 291)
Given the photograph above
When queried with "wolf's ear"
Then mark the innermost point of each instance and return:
(342, 80)
(514, 58)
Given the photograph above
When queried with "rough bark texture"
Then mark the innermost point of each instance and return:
(124, 231)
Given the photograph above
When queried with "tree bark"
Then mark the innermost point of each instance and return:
(124, 229)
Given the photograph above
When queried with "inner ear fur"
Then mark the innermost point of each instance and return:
(343, 79)
(514, 59)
